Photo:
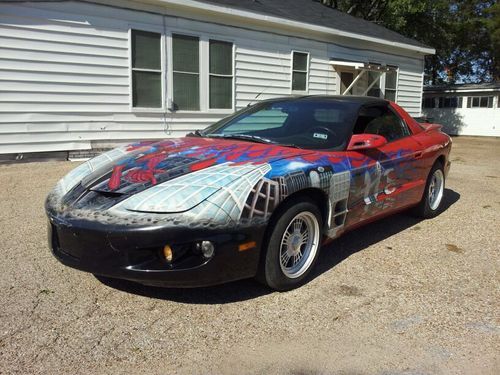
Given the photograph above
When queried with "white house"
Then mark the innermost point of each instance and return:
(81, 75)
(464, 109)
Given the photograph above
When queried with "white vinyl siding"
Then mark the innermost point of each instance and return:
(65, 74)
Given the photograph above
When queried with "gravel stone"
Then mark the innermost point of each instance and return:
(399, 296)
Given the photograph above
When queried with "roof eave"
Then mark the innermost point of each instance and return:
(273, 20)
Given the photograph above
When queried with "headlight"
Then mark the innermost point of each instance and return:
(207, 248)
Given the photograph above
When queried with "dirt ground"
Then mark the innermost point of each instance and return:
(400, 296)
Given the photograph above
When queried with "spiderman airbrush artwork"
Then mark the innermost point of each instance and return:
(145, 210)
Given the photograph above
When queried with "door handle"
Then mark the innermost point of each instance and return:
(418, 154)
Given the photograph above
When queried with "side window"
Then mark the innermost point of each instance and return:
(300, 69)
(480, 102)
(381, 121)
(146, 69)
(221, 74)
(186, 69)
(391, 85)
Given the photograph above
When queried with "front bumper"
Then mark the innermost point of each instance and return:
(134, 253)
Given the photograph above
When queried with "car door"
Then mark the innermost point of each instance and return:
(383, 179)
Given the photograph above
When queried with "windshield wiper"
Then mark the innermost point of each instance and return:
(244, 137)
(251, 138)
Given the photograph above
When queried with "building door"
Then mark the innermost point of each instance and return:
(346, 79)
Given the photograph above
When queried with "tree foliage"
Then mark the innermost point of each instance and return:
(465, 33)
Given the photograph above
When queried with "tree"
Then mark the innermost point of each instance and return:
(493, 26)
(465, 33)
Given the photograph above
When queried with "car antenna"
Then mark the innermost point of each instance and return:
(257, 96)
(265, 88)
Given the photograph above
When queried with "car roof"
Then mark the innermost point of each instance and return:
(361, 100)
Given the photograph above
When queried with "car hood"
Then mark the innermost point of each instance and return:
(177, 174)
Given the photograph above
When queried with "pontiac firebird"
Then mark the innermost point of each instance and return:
(253, 195)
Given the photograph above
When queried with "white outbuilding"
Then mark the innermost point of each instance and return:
(464, 109)
(79, 76)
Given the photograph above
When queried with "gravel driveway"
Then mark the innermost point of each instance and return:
(400, 296)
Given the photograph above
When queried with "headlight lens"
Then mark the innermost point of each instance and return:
(207, 248)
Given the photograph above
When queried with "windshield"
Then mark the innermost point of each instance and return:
(310, 124)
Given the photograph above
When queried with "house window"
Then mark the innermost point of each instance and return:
(391, 85)
(186, 72)
(300, 68)
(429, 103)
(450, 102)
(146, 69)
(221, 74)
(480, 102)
(374, 84)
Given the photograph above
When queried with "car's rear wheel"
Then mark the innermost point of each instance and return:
(431, 202)
(293, 246)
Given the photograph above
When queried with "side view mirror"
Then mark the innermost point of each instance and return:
(366, 141)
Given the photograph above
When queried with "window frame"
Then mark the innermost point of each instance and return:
(470, 101)
(355, 72)
(393, 89)
(204, 68)
(401, 121)
(157, 30)
(207, 40)
(170, 71)
(442, 101)
(292, 52)
(431, 99)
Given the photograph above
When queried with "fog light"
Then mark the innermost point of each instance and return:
(207, 249)
(168, 254)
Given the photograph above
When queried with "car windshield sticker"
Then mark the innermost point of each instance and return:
(320, 135)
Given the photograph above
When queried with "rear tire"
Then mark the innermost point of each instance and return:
(432, 199)
(293, 246)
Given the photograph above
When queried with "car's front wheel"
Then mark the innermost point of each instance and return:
(292, 246)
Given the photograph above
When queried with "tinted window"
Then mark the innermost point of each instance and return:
(381, 121)
(312, 124)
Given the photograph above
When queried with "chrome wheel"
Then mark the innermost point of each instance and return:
(299, 244)
(436, 189)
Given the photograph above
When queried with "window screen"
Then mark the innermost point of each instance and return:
(374, 82)
(450, 102)
(300, 67)
(391, 84)
(480, 102)
(186, 72)
(221, 74)
(429, 103)
(146, 69)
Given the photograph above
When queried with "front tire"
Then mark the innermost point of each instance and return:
(432, 200)
(293, 246)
